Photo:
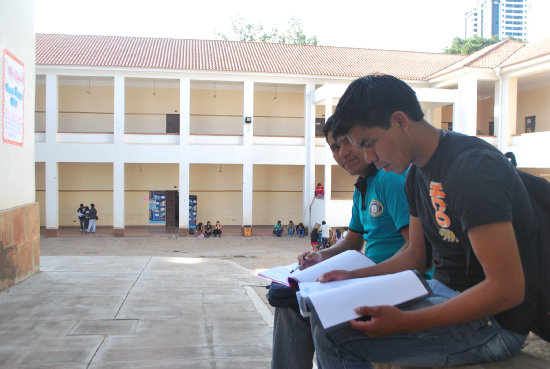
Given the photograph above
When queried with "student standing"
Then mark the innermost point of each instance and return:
(92, 216)
(81, 213)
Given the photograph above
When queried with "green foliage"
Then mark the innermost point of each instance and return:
(242, 31)
(469, 45)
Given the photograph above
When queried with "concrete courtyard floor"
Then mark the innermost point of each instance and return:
(144, 302)
(148, 302)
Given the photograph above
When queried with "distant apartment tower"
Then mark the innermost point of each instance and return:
(504, 18)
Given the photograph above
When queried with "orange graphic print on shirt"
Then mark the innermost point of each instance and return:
(440, 206)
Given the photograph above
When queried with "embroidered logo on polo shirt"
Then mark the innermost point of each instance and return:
(375, 208)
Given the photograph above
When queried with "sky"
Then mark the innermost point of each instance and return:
(414, 25)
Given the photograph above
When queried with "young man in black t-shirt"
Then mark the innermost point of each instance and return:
(470, 204)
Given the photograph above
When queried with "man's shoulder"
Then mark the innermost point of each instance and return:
(389, 176)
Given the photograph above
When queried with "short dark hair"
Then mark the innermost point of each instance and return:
(371, 100)
(327, 127)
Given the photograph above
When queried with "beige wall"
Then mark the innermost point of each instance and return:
(220, 115)
(485, 114)
(436, 117)
(140, 179)
(40, 185)
(534, 102)
(342, 184)
(85, 183)
(79, 183)
(283, 116)
(278, 191)
(40, 108)
(81, 112)
(219, 192)
(17, 162)
(146, 113)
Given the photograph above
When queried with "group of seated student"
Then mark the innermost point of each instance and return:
(422, 194)
(299, 229)
(207, 230)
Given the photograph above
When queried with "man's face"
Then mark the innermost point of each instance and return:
(346, 155)
(387, 149)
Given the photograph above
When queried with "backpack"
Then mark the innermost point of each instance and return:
(539, 191)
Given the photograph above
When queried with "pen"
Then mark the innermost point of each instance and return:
(299, 266)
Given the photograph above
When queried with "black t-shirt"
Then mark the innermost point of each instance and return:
(467, 183)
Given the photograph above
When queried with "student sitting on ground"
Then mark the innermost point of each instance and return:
(290, 228)
(200, 230)
(300, 230)
(278, 229)
(208, 229)
(217, 229)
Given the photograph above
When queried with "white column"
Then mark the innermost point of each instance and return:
(328, 160)
(183, 197)
(465, 112)
(119, 110)
(118, 197)
(118, 160)
(185, 115)
(52, 195)
(309, 141)
(248, 176)
(248, 141)
(51, 110)
(185, 111)
(508, 112)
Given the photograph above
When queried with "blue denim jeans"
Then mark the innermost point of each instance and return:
(290, 232)
(479, 341)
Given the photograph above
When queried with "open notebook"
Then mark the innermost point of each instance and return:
(334, 302)
(347, 260)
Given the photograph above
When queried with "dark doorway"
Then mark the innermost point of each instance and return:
(172, 123)
(319, 123)
(172, 209)
(530, 124)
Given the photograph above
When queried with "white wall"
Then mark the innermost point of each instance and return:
(17, 163)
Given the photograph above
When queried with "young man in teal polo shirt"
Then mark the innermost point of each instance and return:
(379, 216)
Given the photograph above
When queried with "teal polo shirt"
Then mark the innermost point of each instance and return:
(382, 214)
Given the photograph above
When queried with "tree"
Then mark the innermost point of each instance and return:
(469, 45)
(242, 31)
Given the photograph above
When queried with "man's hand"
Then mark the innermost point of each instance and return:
(309, 258)
(335, 275)
(384, 320)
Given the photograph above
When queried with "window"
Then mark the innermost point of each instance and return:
(530, 124)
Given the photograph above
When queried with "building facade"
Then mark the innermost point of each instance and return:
(145, 127)
(19, 213)
(501, 18)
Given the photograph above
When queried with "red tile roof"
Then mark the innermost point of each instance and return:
(530, 51)
(235, 56)
(488, 58)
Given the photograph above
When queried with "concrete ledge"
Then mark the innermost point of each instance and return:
(118, 232)
(51, 232)
(19, 244)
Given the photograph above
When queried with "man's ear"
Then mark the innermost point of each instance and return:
(401, 119)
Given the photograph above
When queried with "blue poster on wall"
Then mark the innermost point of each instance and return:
(157, 207)
(192, 211)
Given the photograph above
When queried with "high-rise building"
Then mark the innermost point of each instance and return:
(503, 18)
